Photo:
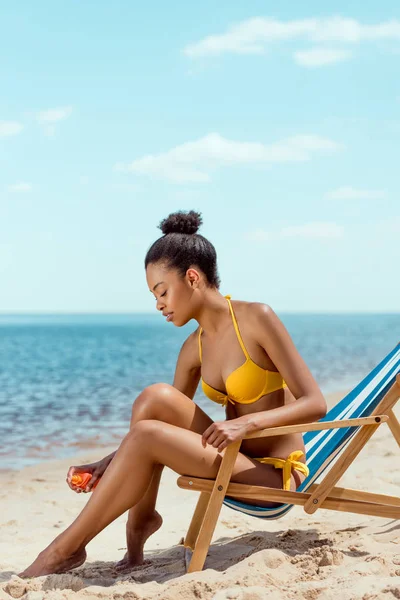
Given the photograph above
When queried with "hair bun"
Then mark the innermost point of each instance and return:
(181, 222)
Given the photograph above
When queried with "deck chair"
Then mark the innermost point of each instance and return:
(332, 442)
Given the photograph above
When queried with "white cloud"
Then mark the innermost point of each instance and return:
(317, 57)
(193, 161)
(316, 230)
(54, 115)
(10, 128)
(49, 118)
(22, 186)
(252, 36)
(350, 193)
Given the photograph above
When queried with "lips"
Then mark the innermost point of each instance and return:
(168, 316)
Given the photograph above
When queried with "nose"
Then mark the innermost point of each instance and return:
(160, 304)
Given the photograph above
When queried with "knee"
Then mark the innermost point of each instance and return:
(158, 390)
(145, 431)
(153, 395)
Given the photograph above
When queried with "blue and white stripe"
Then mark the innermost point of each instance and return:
(323, 447)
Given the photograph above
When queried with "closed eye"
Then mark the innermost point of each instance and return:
(155, 297)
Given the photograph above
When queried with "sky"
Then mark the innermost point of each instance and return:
(279, 123)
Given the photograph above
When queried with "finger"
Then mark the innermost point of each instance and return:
(70, 473)
(218, 441)
(69, 482)
(206, 434)
(91, 483)
(70, 485)
(73, 470)
(204, 440)
(212, 437)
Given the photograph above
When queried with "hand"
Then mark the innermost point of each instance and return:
(95, 469)
(222, 433)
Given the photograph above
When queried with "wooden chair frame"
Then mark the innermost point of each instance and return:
(321, 495)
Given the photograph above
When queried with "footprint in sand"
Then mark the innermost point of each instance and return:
(9, 523)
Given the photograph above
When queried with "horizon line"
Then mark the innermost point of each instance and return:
(151, 313)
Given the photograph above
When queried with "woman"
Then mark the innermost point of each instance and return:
(247, 362)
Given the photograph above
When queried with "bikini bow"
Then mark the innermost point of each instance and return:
(223, 399)
(292, 462)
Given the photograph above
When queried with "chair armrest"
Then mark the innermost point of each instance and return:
(318, 425)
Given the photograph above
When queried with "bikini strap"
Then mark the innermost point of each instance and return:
(200, 351)
(237, 328)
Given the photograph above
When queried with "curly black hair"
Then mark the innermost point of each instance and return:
(181, 247)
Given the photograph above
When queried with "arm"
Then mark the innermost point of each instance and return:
(188, 367)
(310, 404)
(186, 380)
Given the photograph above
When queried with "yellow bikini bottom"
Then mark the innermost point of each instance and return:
(292, 462)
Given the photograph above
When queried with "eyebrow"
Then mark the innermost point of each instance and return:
(157, 284)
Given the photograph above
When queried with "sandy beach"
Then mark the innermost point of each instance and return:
(326, 555)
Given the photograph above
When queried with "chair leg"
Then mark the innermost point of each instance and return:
(197, 520)
(394, 425)
(206, 532)
(214, 507)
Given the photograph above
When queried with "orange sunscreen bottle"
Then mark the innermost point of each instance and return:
(82, 479)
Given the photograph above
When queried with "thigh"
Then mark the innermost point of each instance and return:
(163, 402)
(275, 480)
(182, 451)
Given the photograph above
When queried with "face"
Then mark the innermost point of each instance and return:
(174, 295)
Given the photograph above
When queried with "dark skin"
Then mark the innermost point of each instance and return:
(168, 429)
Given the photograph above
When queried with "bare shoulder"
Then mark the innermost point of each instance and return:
(261, 312)
(262, 323)
(257, 314)
(266, 324)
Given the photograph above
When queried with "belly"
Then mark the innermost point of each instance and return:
(279, 446)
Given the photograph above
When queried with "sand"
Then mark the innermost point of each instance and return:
(328, 555)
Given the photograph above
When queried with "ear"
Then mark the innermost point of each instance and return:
(193, 277)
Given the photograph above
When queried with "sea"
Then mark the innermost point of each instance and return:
(67, 382)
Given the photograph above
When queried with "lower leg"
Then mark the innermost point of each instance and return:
(143, 521)
(162, 403)
(118, 490)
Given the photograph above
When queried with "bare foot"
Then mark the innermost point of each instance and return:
(136, 539)
(52, 561)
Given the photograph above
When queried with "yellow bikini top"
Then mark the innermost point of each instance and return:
(246, 384)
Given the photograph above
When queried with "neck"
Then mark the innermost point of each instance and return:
(214, 312)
